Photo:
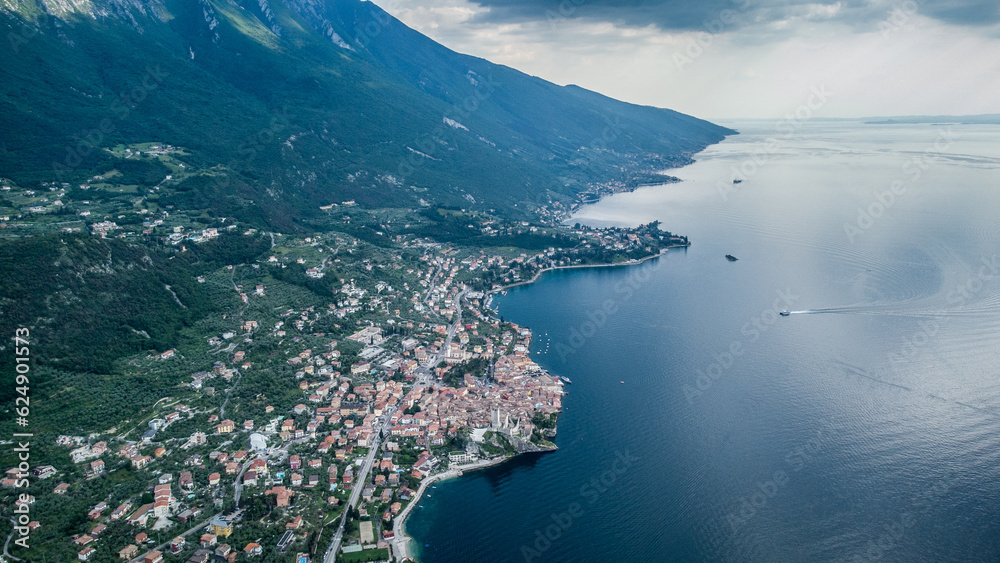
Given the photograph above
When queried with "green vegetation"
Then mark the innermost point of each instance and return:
(285, 124)
(364, 555)
(544, 421)
(90, 301)
(476, 367)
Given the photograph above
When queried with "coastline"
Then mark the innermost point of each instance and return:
(539, 273)
(401, 540)
(399, 547)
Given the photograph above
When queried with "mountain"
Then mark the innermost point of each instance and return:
(294, 104)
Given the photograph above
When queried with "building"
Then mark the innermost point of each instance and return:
(286, 541)
(177, 544)
(221, 527)
(257, 442)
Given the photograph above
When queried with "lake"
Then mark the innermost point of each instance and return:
(701, 425)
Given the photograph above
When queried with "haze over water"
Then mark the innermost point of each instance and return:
(873, 433)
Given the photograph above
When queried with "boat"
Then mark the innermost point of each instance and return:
(737, 181)
(622, 382)
(731, 258)
(565, 379)
(785, 313)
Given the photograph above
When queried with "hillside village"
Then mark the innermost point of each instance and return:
(345, 368)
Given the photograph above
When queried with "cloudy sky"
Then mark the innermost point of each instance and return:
(740, 58)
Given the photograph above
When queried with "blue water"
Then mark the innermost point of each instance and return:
(723, 432)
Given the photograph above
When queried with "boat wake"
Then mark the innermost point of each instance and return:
(880, 311)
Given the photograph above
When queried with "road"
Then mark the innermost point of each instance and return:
(239, 482)
(424, 374)
(424, 377)
(359, 485)
(163, 546)
(7, 544)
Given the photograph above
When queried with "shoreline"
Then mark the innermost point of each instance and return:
(539, 273)
(399, 546)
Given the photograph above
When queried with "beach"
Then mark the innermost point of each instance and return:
(401, 541)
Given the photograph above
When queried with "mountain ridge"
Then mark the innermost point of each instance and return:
(296, 100)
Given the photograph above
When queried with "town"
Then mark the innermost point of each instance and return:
(348, 369)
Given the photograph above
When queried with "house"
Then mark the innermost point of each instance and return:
(44, 471)
(177, 544)
(295, 524)
(140, 516)
(208, 540)
(250, 479)
(282, 495)
(128, 552)
(225, 427)
(140, 461)
(83, 540)
(85, 554)
(186, 481)
(200, 556)
(213, 479)
(221, 527)
(294, 462)
(259, 466)
(153, 557)
(253, 549)
(121, 511)
(141, 537)
(61, 488)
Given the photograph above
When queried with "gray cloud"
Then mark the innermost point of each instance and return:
(685, 15)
